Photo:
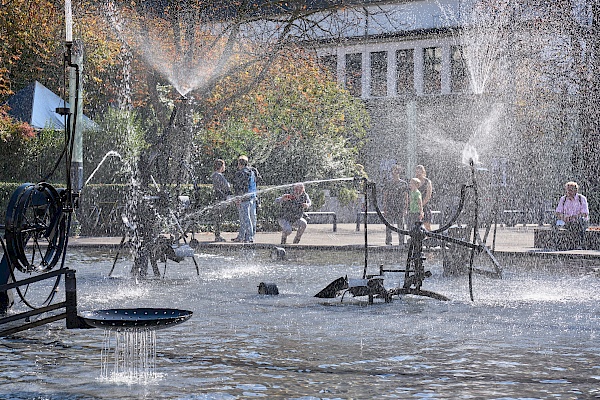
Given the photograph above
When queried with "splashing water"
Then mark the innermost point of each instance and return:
(470, 153)
(485, 31)
(188, 64)
(129, 356)
(230, 200)
(482, 31)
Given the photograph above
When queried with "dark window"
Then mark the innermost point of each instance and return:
(432, 70)
(458, 68)
(379, 74)
(329, 65)
(405, 72)
(354, 73)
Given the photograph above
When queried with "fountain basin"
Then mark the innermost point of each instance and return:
(129, 319)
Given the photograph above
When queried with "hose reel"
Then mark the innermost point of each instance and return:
(36, 227)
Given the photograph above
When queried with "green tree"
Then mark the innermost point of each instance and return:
(295, 126)
(29, 49)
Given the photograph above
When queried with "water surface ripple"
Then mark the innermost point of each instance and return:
(533, 334)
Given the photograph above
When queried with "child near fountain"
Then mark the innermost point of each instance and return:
(415, 203)
(426, 189)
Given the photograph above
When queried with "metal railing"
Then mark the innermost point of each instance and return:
(69, 304)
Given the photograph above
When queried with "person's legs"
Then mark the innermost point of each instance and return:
(576, 234)
(217, 224)
(239, 237)
(397, 220)
(245, 234)
(301, 225)
(412, 219)
(286, 229)
(253, 215)
(427, 217)
(582, 226)
(392, 219)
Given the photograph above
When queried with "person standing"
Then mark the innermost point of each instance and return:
(395, 203)
(254, 210)
(221, 190)
(293, 207)
(426, 189)
(415, 204)
(573, 210)
(244, 186)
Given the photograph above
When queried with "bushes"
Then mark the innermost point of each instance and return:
(6, 190)
(32, 158)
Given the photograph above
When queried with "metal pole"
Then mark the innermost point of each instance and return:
(366, 235)
(71, 300)
(76, 100)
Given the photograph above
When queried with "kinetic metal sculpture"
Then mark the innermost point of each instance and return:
(414, 272)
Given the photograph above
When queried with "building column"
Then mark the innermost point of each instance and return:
(391, 73)
(365, 79)
(341, 66)
(446, 76)
(411, 136)
(418, 64)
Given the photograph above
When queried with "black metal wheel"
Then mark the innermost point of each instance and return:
(35, 229)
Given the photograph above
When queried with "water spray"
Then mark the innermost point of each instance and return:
(111, 153)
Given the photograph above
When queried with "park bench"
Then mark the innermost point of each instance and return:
(327, 214)
(562, 239)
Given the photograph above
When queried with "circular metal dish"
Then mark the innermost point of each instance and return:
(130, 319)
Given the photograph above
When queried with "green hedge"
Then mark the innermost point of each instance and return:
(109, 200)
(100, 207)
(6, 190)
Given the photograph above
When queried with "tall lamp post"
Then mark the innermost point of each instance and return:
(75, 62)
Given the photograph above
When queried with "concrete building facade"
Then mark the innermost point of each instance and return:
(439, 95)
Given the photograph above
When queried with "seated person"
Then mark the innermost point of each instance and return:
(573, 213)
(293, 207)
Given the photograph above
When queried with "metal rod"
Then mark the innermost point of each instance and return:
(365, 226)
(33, 279)
(475, 228)
(31, 313)
(30, 325)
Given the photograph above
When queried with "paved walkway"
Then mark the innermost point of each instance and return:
(515, 240)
